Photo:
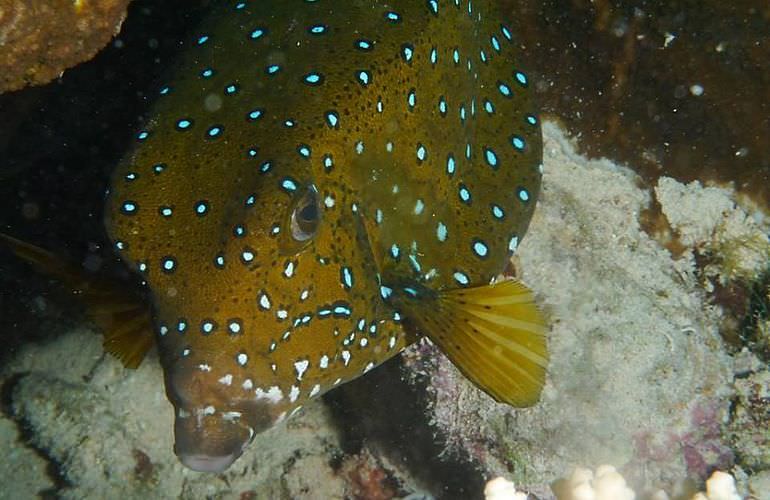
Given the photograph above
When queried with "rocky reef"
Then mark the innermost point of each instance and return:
(640, 375)
(41, 38)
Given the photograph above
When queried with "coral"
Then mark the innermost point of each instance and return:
(21, 465)
(749, 427)
(502, 489)
(42, 38)
(720, 486)
(106, 432)
(759, 485)
(733, 242)
(367, 478)
(701, 446)
(756, 324)
(605, 484)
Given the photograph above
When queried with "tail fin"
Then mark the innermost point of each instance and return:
(494, 334)
(124, 318)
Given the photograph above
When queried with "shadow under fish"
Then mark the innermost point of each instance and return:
(320, 184)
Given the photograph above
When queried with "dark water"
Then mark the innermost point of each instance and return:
(58, 145)
(677, 88)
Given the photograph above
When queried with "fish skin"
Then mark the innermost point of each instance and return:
(285, 115)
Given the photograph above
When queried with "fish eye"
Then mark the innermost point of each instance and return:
(305, 216)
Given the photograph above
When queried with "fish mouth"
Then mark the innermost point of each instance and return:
(209, 444)
(207, 463)
(212, 427)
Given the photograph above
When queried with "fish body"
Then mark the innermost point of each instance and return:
(320, 183)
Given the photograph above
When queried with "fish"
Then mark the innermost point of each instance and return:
(320, 184)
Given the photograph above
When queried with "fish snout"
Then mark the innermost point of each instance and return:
(209, 442)
(213, 424)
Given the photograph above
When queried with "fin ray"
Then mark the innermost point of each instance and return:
(494, 334)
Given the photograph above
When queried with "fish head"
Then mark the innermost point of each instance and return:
(208, 379)
(219, 325)
(264, 297)
(211, 428)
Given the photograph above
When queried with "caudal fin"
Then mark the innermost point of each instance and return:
(124, 318)
(494, 334)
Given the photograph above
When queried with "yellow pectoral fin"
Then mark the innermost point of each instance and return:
(125, 320)
(494, 334)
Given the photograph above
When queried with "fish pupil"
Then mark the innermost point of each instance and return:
(309, 213)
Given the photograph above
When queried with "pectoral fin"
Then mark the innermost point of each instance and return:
(123, 317)
(494, 334)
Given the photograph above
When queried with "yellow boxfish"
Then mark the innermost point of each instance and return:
(321, 183)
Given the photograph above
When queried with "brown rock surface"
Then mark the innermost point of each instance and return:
(39, 39)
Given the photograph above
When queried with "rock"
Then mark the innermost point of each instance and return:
(21, 463)
(108, 432)
(749, 427)
(39, 39)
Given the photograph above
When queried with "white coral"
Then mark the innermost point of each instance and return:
(605, 484)
(502, 489)
(720, 486)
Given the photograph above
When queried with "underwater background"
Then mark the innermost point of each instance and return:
(648, 253)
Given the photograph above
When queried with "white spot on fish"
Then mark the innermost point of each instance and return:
(513, 244)
(301, 367)
(274, 394)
